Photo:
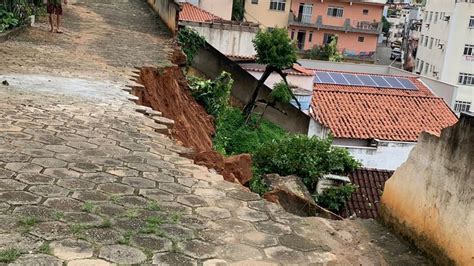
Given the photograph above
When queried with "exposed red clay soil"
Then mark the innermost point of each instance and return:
(166, 90)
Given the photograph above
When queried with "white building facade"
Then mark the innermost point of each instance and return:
(446, 47)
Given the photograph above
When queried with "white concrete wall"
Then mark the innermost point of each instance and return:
(388, 155)
(304, 82)
(454, 34)
(229, 40)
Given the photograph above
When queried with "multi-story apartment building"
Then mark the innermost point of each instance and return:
(267, 13)
(356, 23)
(446, 47)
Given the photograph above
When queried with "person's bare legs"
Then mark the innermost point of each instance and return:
(58, 20)
(51, 22)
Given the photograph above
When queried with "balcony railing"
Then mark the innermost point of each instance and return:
(349, 26)
(363, 56)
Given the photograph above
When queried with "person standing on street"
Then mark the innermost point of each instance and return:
(54, 7)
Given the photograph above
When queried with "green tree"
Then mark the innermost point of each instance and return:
(190, 41)
(277, 52)
(237, 10)
(386, 25)
(327, 52)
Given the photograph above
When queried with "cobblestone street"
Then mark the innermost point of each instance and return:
(85, 179)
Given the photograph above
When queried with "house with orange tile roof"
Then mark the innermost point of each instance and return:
(229, 37)
(221, 8)
(377, 117)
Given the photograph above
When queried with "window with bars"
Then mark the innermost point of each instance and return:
(466, 79)
(462, 106)
(255, 2)
(335, 11)
(278, 5)
(361, 39)
(468, 49)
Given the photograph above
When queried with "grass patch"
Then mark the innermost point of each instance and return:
(45, 248)
(175, 217)
(88, 207)
(148, 253)
(27, 222)
(125, 239)
(131, 213)
(57, 215)
(114, 198)
(9, 255)
(153, 206)
(106, 223)
(175, 246)
(78, 229)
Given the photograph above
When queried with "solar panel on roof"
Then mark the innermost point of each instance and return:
(363, 80)
(339, 78)
(367, 80)
(394, 82)
(380, 81)
(353, 79)
(324, 77)
(407, 84)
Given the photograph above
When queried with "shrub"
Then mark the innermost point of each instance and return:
(190, 41)
(308, 158)
(334, 198)
(234, 136)
(280, 93)
(214, 95)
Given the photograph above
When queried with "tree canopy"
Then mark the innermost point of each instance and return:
(275, 49)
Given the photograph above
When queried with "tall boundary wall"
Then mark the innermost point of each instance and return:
(168, 10)
(430, 198)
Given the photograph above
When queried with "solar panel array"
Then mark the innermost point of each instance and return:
(364, 80)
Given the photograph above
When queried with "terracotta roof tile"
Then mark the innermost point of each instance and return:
(359, 112)
(364, 203)
(193, 13)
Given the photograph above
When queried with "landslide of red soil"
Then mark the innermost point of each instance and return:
(166, 90)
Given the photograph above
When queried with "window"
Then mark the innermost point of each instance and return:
(426, 41)
(365, 11)
(427, 66)
(327, 38)
(421, 66)
(425, 16)
(360, 39)
(468, 49)
(466, 79)
(431, 42)
(431, 16)
(335, 11)
(292, 34)
(255, 2)
(277, 5)
(461, 106)
(471, 22)
(436, 17)
(304, 13)
(421, 38)
(310, 38)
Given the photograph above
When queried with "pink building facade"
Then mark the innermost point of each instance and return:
(356, 23)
